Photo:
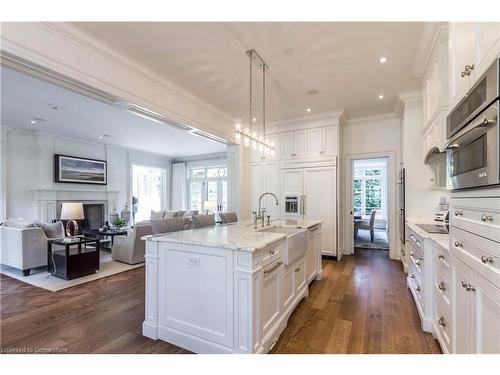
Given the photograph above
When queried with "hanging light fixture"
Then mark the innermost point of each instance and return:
(247, 134)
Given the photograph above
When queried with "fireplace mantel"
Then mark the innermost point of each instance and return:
(45, 200)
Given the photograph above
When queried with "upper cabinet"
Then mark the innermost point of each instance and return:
(261, 156)
(472, 49)
(435, 96)
(294, 145)
(322, 142)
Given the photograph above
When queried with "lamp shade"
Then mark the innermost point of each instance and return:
(72, 211)
(210, 205)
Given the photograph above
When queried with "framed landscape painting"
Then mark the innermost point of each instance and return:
(80, 170)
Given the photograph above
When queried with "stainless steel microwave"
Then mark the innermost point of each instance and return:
(473, 153)
(484, 92)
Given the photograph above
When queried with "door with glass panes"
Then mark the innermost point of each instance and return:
(208, 189)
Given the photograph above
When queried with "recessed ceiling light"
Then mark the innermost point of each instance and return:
(382, 60)
(254, 119)
(100, 137)
(103, 136)
(381, 96)
(308, 109)
(36, 120)
(312, 92)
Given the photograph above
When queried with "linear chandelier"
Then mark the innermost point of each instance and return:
(244, 133)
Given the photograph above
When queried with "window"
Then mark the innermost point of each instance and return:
(208, 184)
(148, 187)
(368, 191)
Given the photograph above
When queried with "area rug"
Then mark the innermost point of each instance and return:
(380, 242)
(45, 280)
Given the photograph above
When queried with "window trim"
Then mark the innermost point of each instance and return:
(382, 211)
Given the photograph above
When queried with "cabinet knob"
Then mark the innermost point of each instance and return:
(441, 286)
(440, 256)
(297, 269)
(483, 218)
(458, 244)
(458, 213)
(486, 259)
(418, 289)
(419, 261)
(442, 321)
(412, 275)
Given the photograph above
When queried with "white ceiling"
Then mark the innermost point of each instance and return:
(339, 59)
(24, 98)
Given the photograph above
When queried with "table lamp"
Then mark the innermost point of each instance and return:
(210, 206)
(72, 212)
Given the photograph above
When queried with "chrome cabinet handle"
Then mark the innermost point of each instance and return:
(467, 70)
(411, 253)
(440, 256)
(297, 269)
(418, 289)
(441, 286)
(412, 275)
(483, 218)
(464, 284)
(485, 259)
(272, 252)
(442, 322)
(470, 288)
(458, 213)
(458, 244)
(272, 269)
(418, 261)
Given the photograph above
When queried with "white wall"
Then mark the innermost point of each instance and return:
(374, 136)
(29, 159)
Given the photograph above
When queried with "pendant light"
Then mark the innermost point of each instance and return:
(244, 133)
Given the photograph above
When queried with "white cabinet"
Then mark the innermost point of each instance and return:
(476, 311)
(294, 145)
(288, 289)
(291, 180)
(299, 278)
(321, 203)
(256, 175)
(473, 47)
(322, 142)
(270, 303)
(264, 177)
(312, 259)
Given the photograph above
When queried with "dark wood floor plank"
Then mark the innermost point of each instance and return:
(361, 305)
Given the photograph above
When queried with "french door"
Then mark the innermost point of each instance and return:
(208, 194)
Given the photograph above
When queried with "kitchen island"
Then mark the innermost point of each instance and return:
(229, 288)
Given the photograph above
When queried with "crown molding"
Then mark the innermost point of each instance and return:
(407, 100)
(433, 35)
(384, 117)
(311, 121)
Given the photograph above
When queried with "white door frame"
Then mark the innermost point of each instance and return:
(391, 204)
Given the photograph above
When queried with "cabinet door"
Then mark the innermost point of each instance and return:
(321, 203)
(256, 184)
(462, 314)
(314, 143)
(288, 291)
(300, 144)
(299, 278)
(287, 146)
(310, 258)
(271, 183)
(270, 305)
(486, 316)
(488, 44)
(291, 180)
(462, 53)
(330, 141)
(277, 153)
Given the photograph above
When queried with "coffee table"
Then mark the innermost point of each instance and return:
(106, 236)
(72, 259)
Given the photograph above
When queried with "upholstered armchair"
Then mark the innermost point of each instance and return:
(228, 217)
(200, 221)
(131, 249)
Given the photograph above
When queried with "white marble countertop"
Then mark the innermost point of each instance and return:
(240, 236)
(441, 239)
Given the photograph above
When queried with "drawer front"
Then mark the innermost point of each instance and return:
(270, 254)
(478, 253)
(443, 324)
(417, 261)
(416, 242)
(442, 257)
(299, 275)
(442, 286)
(416, 283)
(477, 215)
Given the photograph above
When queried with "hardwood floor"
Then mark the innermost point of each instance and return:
(362, 305)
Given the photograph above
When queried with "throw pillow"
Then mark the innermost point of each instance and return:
(157, 215)
(54, 230)
(169, 214)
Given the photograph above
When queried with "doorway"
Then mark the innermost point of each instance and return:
(370, 203)
(370, 213)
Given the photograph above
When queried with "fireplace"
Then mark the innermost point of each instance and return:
(93, 212)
